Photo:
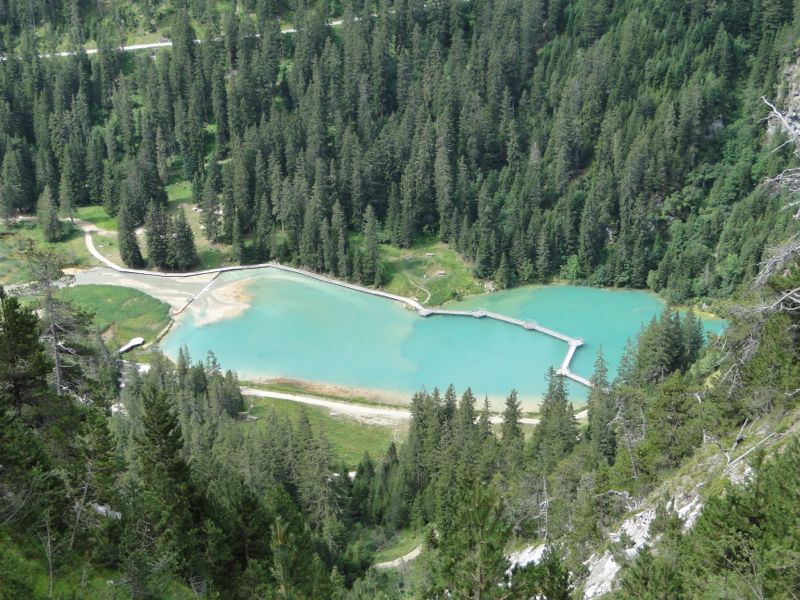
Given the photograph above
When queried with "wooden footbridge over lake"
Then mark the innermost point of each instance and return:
(572, 343)
(564, 370)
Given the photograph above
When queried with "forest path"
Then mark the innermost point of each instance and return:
(369, 414)
(420, 287)
(366, 413)
(164, 43)
(399, 562)
(89, 228)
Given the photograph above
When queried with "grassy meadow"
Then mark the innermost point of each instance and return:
(430, 271)
(13, 239)
(120, 313)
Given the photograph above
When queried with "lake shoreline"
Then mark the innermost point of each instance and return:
(331, 342)
(207, 300)
(366, 396)
(221, 301)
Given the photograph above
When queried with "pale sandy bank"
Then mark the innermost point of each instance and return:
(221, 299)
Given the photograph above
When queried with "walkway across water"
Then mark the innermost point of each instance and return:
(563, 370)
(574, 343)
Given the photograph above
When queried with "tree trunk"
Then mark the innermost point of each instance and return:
(82, 504)
(56, 356)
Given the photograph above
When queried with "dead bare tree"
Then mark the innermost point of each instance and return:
(788, 181)
(47, 543)
(740, 437)
(628, 501)
(79, 509)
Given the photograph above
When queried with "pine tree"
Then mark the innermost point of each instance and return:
(263, 230)
(210, 205)
(549, 578)
(693, 338)
(181, 250)
(601, 412)
(166, 479)
(12, 192)
(162, 156)
(128, 244)
(672, 428)
(512, 440)
(502, 277)
(66, 197)
(111, 190)
(652, 577)
(471, 561)
(489, 451)
(370, 263)
(362, 486)
(47, 215)
(45, 267)
(556, 433)
(465, 418)
(71, 190)
(229, 217)
(23, 364)
(237, 241)
(156, 224)
(340, 235)
(242, 189)
(29, 488)
(660, 349)
(310, 255)
(543, 258)
(95, 169)
(328, 247)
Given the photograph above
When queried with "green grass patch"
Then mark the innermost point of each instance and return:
(14, 238)
(120, 313)
(430, 271)
(97, 215)
(348, 437)
(178, 192)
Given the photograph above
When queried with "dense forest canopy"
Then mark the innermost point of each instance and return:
(170, 492)
(618, 143)
(613, 143)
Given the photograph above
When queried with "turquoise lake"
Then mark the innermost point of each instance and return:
(302, 329)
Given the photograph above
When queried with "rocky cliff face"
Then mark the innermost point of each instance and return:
(787, 100)
(685, 493)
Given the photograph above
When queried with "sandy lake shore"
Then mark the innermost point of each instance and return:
(389, 398)
(221, 300)
(209, 298)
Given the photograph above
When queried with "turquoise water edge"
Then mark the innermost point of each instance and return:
(299, 328)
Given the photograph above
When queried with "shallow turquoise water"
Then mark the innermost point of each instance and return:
(303, 329)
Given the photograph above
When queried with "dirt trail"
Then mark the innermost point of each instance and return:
(373, 415)
(399, 562)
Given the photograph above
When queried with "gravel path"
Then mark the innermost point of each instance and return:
(399, 562)
(372, 414)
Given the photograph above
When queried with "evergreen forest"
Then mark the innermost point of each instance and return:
(621, 143)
